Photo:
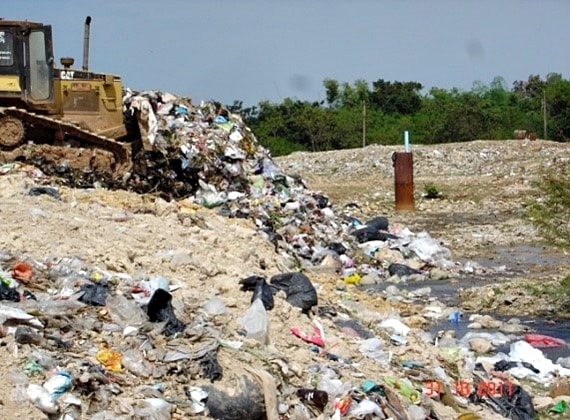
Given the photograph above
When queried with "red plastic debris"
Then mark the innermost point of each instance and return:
(316, 339)
(22, 272)
(543, 341)
(342, 405)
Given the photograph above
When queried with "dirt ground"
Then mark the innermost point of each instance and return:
(480, 217)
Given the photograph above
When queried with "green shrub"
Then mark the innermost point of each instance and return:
(431, 191)
(550, 210)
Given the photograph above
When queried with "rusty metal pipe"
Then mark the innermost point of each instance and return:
(403, 163)
(86, 44)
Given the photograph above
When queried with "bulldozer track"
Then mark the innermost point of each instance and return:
(120, 151)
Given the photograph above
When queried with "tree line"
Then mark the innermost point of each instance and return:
(359, 114)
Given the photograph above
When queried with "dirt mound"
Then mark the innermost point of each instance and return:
(128, 243)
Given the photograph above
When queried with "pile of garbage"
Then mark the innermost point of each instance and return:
(208, 155)
(89, 342)
(196, 150)
(304, 342)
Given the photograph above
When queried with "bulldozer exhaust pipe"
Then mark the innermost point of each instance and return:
(86, 44)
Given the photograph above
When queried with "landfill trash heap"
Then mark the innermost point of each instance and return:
(206, 154)
(103, 343)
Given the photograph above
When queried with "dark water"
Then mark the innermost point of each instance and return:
(513, 261)
(554, 329)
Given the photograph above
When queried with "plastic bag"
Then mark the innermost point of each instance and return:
(365, 408)
(397, 269)
(255, 321)
(260, 289)
(211, 368)
(513, 402)
(543, 341)
(368, 233)
(428, 249)
(160, 310)
(315, 397)
(298, 288)
(109, 358)
(9, 293)
(378, 223)
(373, 348)
(94, 294)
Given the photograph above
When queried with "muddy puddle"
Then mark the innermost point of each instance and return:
(499, 264)
(523, 258)
(560, 329)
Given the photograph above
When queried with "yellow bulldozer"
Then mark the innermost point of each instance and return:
(58, 109)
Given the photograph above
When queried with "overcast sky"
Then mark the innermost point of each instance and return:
(255, 50)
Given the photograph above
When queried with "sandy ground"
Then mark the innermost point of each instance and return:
(484, 184)
(481, 217)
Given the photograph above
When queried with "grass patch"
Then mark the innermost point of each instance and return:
(431, 191)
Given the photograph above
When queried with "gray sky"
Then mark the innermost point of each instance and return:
(256, 50)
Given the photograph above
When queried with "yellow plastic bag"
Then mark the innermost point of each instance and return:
(109, 358)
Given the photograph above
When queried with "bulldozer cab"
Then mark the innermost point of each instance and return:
(26, 64)
(67, 111)
(29, 80)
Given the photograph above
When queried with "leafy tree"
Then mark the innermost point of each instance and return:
(351, 96)
(557, 97)
(486, 112)
(396, 97)
(332, 88)
(533, 88)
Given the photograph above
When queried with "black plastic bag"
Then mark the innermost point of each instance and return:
(322, 201)
(260, 289)
(401, 270)
(27, 335)
(378, 223)
(9, 293)
(509, 400)
(51, 191)
(298, 289)
(245, 400)
(315, 397)
(337, 247)
(503, 365)
(367, 234)
(211, 368)
(94, 294)
(160, 309)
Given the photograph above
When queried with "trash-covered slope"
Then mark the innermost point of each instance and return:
(244, 299)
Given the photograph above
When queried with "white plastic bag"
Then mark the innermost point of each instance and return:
(255, 321)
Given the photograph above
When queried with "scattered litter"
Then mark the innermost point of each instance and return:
(116, 339)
